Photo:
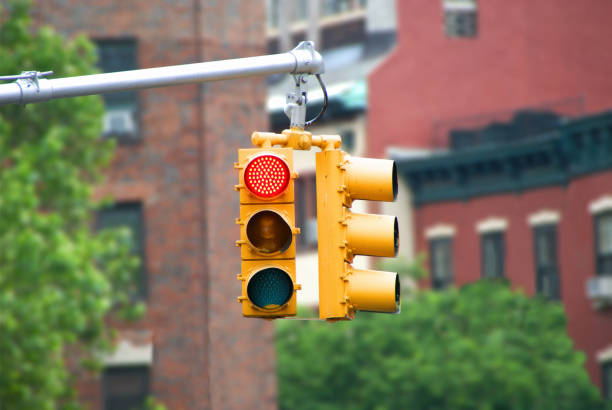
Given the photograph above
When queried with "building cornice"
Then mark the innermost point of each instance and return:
(577, 148)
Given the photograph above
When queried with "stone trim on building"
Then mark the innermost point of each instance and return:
(440, 231)
(544, 217)
(604, 355)
(600, 205)
(492, 224)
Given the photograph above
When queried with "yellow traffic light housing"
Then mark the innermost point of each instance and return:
(267, 228)
(342, 234)
(267, 232)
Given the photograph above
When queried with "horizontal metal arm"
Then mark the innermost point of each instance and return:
(301, 60)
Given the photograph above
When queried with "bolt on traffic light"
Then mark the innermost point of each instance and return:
(342, 234)
(267, 232)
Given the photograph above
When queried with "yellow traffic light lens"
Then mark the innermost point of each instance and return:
(268, 232)
(270, 288)
(267, 176)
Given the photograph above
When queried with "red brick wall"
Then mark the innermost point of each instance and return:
(590, 329)
(205, 354)
(526, 53)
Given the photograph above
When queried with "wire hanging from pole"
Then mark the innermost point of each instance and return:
(320, 114)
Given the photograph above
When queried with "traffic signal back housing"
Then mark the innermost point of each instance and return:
(342, 234)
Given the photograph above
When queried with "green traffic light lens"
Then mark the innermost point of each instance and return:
(270, 288)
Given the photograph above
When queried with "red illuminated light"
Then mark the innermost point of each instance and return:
(267, 176)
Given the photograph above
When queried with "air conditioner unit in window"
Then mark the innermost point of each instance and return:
(120, 122)
(599, 290)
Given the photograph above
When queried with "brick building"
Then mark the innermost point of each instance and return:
(172, 181)
(495, 112)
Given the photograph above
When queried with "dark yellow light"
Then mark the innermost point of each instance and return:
(268, 232)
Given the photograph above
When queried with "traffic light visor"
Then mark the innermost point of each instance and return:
(267, 176)
(374, 291)
(270, 288)
(268, 232)
(372, 179)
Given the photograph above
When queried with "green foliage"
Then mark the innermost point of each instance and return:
(414, 269)
(58, 280)
(152, 404)
(480, 347)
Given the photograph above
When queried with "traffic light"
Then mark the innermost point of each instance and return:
(342, 234)
(267, 232)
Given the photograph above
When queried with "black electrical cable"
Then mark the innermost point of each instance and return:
(320, 114)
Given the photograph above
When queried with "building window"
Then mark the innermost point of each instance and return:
(603, 243)
(121, 119)
(272, 7)
(460, 18)
(306, 211)
(335, 7)
(606, 370)
(441, 256)
(125, 388)
(546, 266)
(492, 254)
(128, 214)
(348, 139)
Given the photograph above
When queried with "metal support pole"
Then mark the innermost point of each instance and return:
(303, 59)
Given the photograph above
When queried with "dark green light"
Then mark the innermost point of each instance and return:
(270, 288)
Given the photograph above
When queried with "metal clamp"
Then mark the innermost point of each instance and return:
(25, 75)
(33, 88)
(295, 105)
(307, 60)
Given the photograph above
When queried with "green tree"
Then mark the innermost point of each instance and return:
(483, 346)
(58, 280)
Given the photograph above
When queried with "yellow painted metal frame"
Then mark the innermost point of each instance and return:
(253, 261)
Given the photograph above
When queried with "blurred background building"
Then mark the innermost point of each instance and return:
(172, 182)
(493, 111)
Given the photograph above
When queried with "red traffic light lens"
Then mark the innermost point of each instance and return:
(267, 176)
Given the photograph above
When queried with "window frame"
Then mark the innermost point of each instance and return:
(460, 10)
(128, 368)
(553, 269)
(500, 235)
(438, 283)
(135, 103)
(601, 260)
(142, 291)
(606, 375)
